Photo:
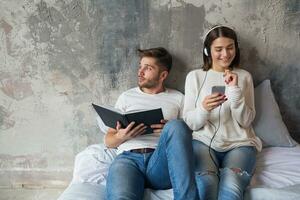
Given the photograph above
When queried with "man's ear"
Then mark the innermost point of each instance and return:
(164, 75)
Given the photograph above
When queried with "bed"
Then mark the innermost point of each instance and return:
(277, 174)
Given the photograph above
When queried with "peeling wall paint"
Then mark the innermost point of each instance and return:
(58, 56)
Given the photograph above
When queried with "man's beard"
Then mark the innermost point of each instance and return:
(148, 84)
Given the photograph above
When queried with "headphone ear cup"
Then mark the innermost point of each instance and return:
(205, 51)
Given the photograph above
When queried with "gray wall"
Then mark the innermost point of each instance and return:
(58, 56)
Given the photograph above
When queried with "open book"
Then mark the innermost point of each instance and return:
(110, 116)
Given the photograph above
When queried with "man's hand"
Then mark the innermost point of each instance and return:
(157, 128)
(129, 132)
(212, 101)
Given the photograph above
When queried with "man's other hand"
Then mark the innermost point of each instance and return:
(130, 131)
(157, 128)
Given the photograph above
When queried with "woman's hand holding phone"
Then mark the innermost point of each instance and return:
(212, 101)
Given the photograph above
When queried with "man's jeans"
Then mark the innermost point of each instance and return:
(231, 176)
(169, 166)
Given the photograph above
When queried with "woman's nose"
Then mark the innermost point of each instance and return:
(225, 53)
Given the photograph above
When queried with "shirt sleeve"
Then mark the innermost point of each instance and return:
(193, 113)
(120, 104)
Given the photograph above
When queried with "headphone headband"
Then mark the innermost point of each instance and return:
(213, 28)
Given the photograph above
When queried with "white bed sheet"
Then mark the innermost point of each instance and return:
(277, 167)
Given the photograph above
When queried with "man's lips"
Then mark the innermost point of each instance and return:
(141, 78)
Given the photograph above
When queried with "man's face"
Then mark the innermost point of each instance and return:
(149, 73)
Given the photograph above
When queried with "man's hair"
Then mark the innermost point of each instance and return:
(161, 55)
(214, 33)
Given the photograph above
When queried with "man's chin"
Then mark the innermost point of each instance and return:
(140, 84)
(145, 86)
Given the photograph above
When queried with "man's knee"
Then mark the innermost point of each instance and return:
(176, 123)
(177, 127)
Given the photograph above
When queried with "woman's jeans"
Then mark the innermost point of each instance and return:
(227, 176)
(169, 166)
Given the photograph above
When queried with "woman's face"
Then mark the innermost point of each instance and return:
(222, 53)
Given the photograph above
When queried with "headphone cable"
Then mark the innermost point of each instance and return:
(215, 133)
(200, 88)
(216, 128)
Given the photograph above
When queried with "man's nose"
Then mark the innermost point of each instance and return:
(140, 71)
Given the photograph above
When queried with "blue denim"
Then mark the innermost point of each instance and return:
(169, 166)
(228, 177)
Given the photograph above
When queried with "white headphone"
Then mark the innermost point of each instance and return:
(205, 51)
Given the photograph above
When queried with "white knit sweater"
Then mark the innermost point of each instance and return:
(235, 116)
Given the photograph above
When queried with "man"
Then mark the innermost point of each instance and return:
(163, 159)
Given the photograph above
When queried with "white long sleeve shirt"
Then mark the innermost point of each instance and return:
(233, 118)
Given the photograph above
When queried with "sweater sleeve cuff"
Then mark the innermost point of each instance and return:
(234, 94)
(202, 110)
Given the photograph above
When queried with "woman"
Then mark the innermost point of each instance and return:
(224, 142)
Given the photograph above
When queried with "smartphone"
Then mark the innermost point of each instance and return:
(218, 89)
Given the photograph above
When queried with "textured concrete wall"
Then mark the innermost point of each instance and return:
(58, 56)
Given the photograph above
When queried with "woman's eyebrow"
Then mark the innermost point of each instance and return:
(223, 46)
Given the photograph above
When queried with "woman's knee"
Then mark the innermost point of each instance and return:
(207, 176)
(207, 184)
(235, 178)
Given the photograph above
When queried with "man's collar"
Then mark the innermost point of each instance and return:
(149, 91)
